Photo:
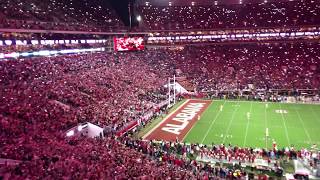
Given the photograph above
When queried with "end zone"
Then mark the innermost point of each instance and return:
(178, 123)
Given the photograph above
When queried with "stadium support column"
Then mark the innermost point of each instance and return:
(130, 15)
(169, 91)
(174, 89)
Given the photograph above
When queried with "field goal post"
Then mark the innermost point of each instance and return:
(172, 86)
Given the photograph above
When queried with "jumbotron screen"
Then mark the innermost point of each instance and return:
(129, 44)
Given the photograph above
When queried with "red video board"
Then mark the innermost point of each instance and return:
(129, 44)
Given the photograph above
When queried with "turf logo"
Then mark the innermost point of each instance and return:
(183, 118)
(178, 123)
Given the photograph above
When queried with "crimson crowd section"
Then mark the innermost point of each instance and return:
(43, 97)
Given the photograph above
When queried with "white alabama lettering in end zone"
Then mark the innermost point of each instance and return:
(183, 118)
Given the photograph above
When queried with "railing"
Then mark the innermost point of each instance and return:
(145, 117)
(9, 162)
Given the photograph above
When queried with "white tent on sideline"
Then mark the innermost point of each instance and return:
(85, 129)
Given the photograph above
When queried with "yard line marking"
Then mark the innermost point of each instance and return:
(285, 127)
(205, 136)
(266, 125)
(196, 122)
(169, 115)
(303, 125)
(245, 137)
(228, 129)
(265, 117)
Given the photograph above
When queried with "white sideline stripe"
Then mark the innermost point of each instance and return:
(269, 102)
(169, 115)
(205, 136)
(266, 124)
(210, 100)
(196, 121)
(230, 123)
(285, 126)
(245, 137)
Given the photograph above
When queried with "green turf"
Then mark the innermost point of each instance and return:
(300, 126)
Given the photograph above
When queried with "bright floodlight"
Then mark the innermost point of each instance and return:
(79, 128)
(70, 133)
(139, 18)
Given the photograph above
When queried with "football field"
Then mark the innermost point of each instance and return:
(244, 123)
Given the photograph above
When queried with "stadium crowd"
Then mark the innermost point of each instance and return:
(187, 155)
(234, 67)
(86, 86)
(96, 15)
(89, 15)
(193, 156)
(222, 67)
(84, 158)
(43, 97)
(272, 14)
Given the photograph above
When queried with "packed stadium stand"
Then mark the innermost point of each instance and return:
(232, 67)
(292, 13)
(95, 15)
(43, 97)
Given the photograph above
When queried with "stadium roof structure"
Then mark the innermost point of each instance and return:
(202, 2)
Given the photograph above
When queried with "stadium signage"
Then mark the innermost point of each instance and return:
(50, 42)
(234, 36)
(49, 53)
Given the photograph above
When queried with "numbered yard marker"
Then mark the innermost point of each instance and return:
(281, 111)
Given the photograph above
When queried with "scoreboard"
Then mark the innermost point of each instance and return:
(128, 44)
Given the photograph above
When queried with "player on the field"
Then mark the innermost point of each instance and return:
(221, 107)
(274, 145)
(248, 115)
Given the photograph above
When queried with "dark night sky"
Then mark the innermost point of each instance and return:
(121, 7)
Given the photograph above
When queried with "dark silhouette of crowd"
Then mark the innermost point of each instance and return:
(87, 15)
(97, 15)
(272, 14)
